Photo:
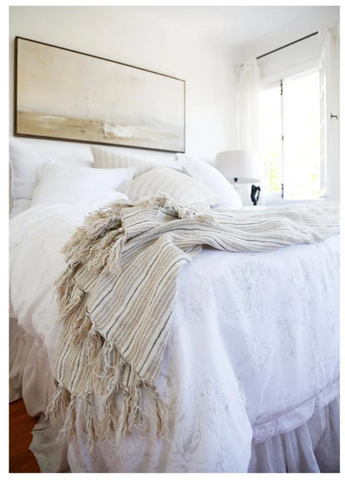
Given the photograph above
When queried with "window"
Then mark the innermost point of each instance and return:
(291, 137)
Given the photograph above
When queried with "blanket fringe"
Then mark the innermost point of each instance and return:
(68, 429)
(110, 416)
(131, 415)
(90, 425)
(95, 342)
(99, 253)
(57, 406)
(161, 412)
(67, 309)
(81, 329)
(192, 211)
(85, 331)
(114, 256)
(61, 411)
(64, 285)
(110, 378)
(135, 412)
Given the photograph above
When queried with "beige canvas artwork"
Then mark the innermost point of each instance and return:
(62, 94)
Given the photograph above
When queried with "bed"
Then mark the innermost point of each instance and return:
(250, 374)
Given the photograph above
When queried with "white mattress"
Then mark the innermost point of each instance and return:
(253, 350)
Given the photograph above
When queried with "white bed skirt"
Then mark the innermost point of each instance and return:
(311, 448)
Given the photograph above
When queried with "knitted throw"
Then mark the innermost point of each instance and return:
(117, 295)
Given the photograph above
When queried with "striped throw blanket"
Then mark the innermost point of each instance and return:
(117, 295)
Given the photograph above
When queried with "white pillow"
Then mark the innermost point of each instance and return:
(212, 178)
(182, 188)
(59, 184)
(25, 161)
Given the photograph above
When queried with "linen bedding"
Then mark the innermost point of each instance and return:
(252, 351)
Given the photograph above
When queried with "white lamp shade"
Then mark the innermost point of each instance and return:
(245, 166)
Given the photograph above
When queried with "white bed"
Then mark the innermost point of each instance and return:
(250, 374)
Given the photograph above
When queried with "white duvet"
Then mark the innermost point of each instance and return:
(253, 350)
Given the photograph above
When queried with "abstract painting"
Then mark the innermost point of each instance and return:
(66, 95)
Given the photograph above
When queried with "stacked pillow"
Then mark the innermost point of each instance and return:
(57, 178)
(212, 178)
(199, 182)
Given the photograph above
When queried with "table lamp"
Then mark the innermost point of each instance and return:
(239, 166)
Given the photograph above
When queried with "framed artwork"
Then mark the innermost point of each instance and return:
(62, 94)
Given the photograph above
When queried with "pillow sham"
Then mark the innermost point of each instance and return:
(183, 189)
(212, 178)
(110, 159)
(60, 184)
(25, 161)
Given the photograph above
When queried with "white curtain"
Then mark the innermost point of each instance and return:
(249, 85)
(329, 94)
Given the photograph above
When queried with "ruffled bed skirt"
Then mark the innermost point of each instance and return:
(311, 448)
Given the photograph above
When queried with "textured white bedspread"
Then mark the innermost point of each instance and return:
(253, 351)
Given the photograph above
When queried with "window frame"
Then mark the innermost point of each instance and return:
(276, 196)
(273, 82)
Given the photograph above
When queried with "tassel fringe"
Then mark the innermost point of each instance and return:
(90, 426)
(62, 411)
(57, 406)
(68, 429)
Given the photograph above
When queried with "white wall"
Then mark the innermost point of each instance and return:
(126, 35)
(292, 58)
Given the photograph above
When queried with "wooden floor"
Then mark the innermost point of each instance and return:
(21, 425)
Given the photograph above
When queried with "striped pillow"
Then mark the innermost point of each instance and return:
(109, 159)
(183, 189)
